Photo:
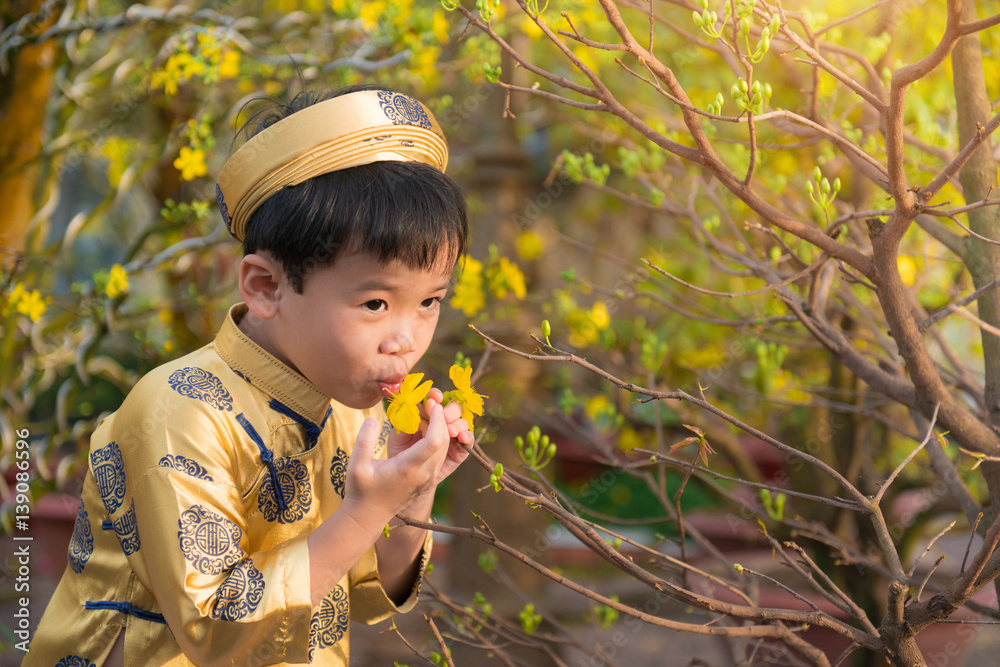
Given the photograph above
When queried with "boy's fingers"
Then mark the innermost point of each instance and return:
(364, 444)
(435, 394)
(437, 427)
(452, 411)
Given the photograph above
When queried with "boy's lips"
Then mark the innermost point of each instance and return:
(391, 386)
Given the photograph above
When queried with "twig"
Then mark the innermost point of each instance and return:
(928, 577)
(944, 312)
(445, 653)
(780, 585)
(930, 545)
(899, 468)
(771, 286)
(972, 536)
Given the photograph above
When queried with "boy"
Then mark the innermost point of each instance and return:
(235, 504)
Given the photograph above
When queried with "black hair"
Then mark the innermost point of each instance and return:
(393, 211)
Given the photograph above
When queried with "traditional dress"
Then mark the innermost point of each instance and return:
(191, 533)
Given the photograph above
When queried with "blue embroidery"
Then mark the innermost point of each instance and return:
(223, 208)
(82, 543)
(185, 465)
(241, 375)
(75, 661)
(211, 542)
(107, 525)
(240, 594)
(109, 472)
(403, 109)
(127, 531)
(194, 382)
(330, 622)
(293, 478)
(338, 471)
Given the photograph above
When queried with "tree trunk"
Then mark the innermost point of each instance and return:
(24, 92)
(978, 177)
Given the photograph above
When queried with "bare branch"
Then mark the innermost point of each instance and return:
(904, 462)
(944, 312)
(951, 170)
(982, 24)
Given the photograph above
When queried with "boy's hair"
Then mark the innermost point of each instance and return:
(391, 210)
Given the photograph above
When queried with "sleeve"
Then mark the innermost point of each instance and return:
(369, 601)
(183, 529)
(223, 604)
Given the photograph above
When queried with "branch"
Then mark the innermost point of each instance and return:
(944, 312)
(982, 24)
(952, 169)
(904, 462)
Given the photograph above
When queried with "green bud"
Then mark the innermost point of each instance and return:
(809, 186)
(696, 17)
(703, 4)
(767, 91)
(742, 83)
(551, 451)
(744, 26)
(755, 87)
(825, 185)
(498, 469)
(546, 328)
(738, 567)
(775, 24)
(519, 442)
(836, 184)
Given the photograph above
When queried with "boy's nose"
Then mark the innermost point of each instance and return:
(398, 342)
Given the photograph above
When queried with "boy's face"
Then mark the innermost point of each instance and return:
(359, 326)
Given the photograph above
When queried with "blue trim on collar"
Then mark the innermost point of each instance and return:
(312, 430)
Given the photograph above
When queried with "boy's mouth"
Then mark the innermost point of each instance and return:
(390, 388)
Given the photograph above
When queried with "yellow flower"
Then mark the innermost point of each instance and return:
(907, 270)
(117, 282)
(370, 13)
(630, 439)
(599, 315)
(470, 400)
(31, 304)
(469, 296)
(14, 298)
(403, 412)
(229, 68)
(191, 163)
(529, 245)
(439, 26)
(506, 277)
(27, 303)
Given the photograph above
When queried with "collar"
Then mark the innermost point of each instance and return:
(267, 373)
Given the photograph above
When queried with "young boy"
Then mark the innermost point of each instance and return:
(234, 509)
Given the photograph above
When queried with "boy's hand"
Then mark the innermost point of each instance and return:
(377, 489)
(458, 432)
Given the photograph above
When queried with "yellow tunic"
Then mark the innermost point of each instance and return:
(181, 539)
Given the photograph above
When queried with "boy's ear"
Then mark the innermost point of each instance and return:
(261, 281)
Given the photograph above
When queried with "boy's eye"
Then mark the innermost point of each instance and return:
(428, 303)
(375, 305)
